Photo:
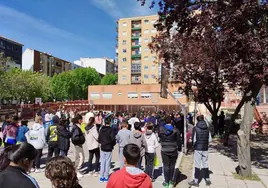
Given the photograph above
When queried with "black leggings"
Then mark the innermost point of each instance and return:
(97, 162)
(37, 160)
(169, 162)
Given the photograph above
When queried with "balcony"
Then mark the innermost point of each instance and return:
(136, 27)
(136, 56)
(136, 46)
(135, 37)
(135, 71)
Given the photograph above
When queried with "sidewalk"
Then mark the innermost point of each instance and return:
(222, 168)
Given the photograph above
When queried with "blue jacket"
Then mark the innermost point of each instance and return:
(21, 133)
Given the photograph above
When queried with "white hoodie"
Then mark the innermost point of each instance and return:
(36, 136)
(152, 142)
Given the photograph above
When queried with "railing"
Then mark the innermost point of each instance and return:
(135, 81)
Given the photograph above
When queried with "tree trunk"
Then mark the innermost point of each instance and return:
(243, 141)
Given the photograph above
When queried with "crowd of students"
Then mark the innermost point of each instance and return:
(137, 138)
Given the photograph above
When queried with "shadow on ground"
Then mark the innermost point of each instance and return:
(259, 149)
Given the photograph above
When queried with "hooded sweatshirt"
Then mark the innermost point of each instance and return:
(129, 177)
(151, 141)
(138, 138)
(92, 137)
(107, 139)
(123, 137)
(36, 136)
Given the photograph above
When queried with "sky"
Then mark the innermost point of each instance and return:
(68, 29)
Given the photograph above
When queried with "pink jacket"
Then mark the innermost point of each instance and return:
(98, 120)
(10, 131)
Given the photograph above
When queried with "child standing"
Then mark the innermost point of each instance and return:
(123, 138)
(152, 144)
(22, 130)
(107, 141)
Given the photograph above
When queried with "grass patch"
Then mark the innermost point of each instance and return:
(253, 177)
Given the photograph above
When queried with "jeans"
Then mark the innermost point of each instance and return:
(79, 156)
(201, 162)
(121, 158)
(53, 148)
(149, 164)
(169, 162)
(37, 160)
(93, 152)
(106, 158)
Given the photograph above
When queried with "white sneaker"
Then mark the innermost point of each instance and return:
(37, 171)
(96, 174)
(79, 175)
(90, 173)
(33, 169)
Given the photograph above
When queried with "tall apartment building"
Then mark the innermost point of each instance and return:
(12, 50)
(44, 63)
(136, 63)
(102, 65)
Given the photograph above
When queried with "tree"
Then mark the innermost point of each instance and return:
(73, 85)
(109, 79)
(242, 28)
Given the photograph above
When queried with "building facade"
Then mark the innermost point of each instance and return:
(12, 50)
(133, 98)
(136, 63)
(43, 62)
(102, 65)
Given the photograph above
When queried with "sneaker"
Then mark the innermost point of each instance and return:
(79, 175)
(208, 182)
(90, 173)
(171, 185)
(96, 174)
(193, 183)
(102, 180)
(33, 169)
(37, 171)
(165, 185)
(106, 180)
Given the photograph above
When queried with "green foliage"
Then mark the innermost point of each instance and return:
(73, 85)
(109, 79)
(24, 85)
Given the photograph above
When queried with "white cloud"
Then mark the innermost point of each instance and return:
(26, 23)
(122, 8)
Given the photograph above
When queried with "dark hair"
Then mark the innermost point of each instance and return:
(134, 115)
(132, 154)
(150, 126)
(107, 120)
(24, 122)
(76, 119)
(79, 117)
(137, 126)
(15, 118)
(200, 118)
(7, 117)
(91, 121)
(61, 172)
(169, 119)
(16, 154)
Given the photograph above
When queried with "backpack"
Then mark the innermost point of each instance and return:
(78, 137)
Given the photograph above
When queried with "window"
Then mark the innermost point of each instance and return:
(177, 94)
(145, 67)
(137, 51)
(146, 31)
(146, 58)
(106, 95)
(124, 68)
(146, 40)
(124, 59)
(135, 68)
(119, 93)
(94, 96)
(124, 50)
(146, 49)
(124, 77)
(153, 31)
(146, 95)
(124, 33)
(132, 95)
(124, 24)
(146, 21)
(124, 42)
(153, 58)
(146, 76)
(153, 76)
(153, 67)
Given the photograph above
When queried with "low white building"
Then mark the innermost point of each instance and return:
(102, 65)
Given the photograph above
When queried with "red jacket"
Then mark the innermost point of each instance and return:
(123, 179)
